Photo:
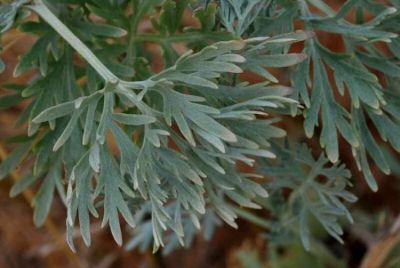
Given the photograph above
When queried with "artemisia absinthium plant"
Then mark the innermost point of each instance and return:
(161, 148)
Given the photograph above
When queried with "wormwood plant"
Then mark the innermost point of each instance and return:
(113, 137)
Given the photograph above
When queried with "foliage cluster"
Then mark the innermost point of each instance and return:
(109, 135)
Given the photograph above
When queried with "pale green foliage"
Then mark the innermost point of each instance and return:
(199, 172)
(237, 15)
(351, 76)
(160, 149)
(317, 189)
(8, 13)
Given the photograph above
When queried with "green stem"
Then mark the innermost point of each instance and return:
(40, 8)
(45, 13)
(183, 37)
